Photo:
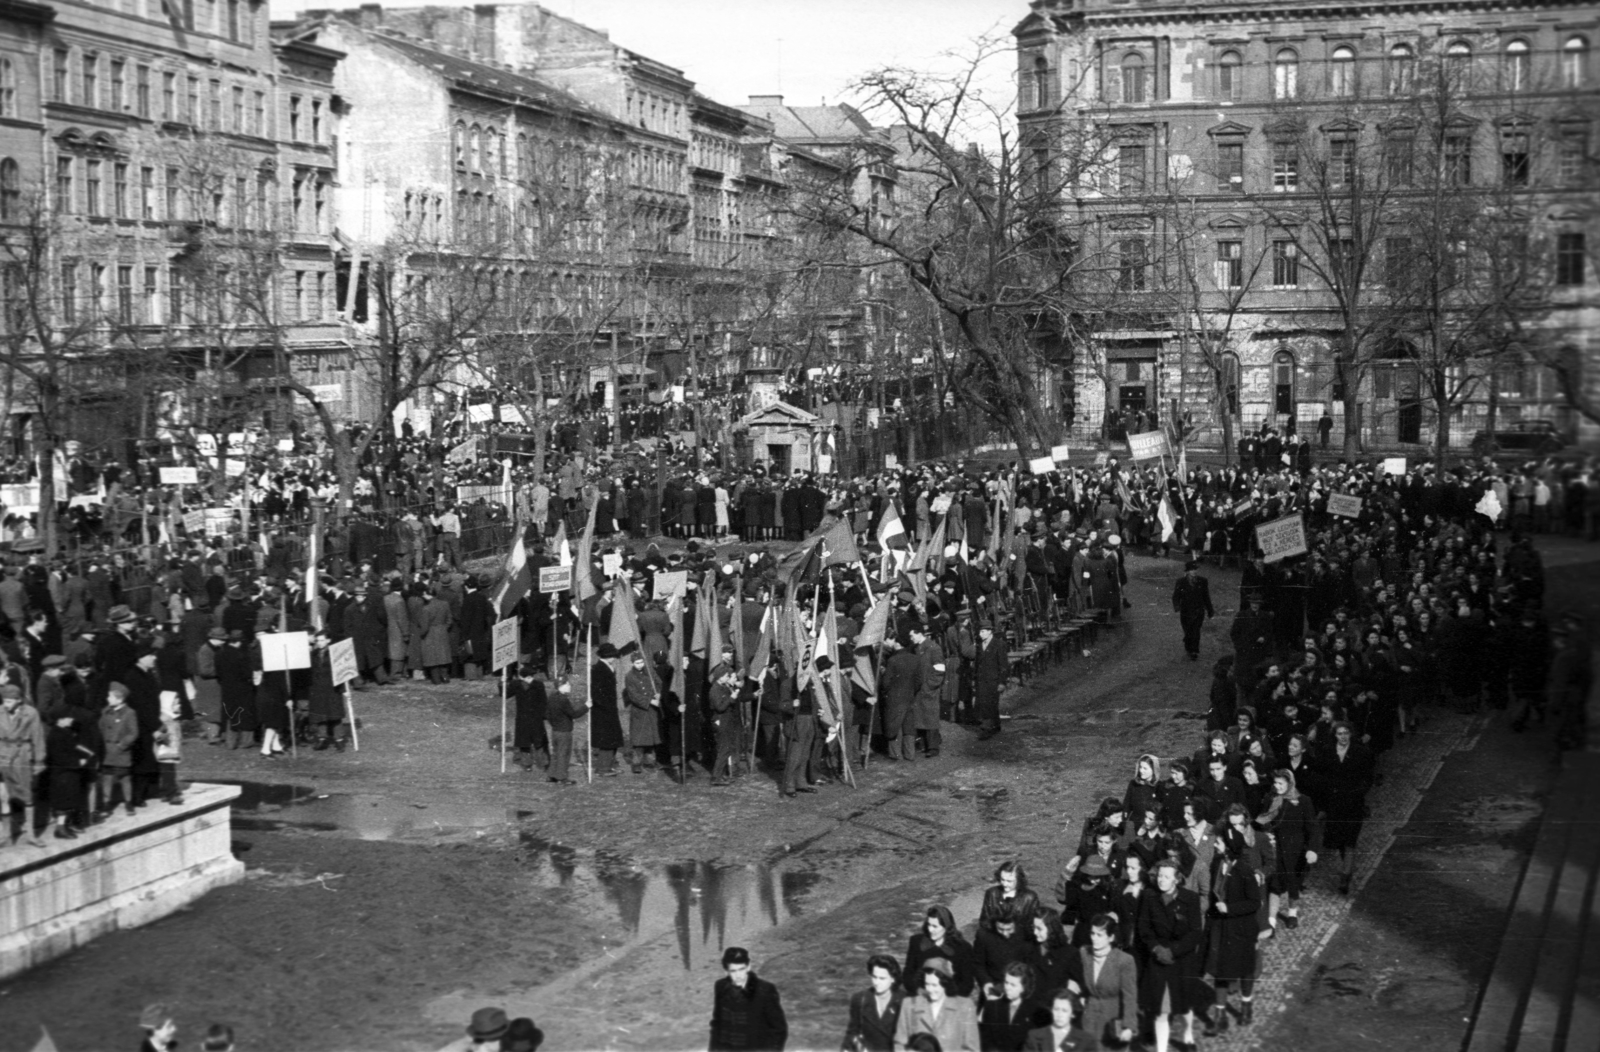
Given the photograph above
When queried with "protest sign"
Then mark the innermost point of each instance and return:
(1060, 454)
(284, 651)
(669, 583)
(1394, 465)
(342, 659)
(194, 523)
(555, 578)
(1151, 445)
(1041, 465)
(611, 564)
(1345, 505)
(180, 476)
(505, 644)
(940, 505)
(891, 461)
(481, 413)
(1282, 538)
(1101, 459)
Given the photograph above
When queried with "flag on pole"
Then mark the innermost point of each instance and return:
(517, 581)
(583, 569)
(763, 652)
(313, 554)
(839, 545)
(875, 626)
(507, 494)
(561, 546)
(45, 1042)
(891, 531)
(708, 593)
(1167, 519)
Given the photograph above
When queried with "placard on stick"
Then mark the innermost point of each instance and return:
(505, 644)
(1060, 454)
(554, 579)
(1394, 465)
(194, 523)
(285, 651)
(342, 660)
(1151, 445)
(1041, 465)
(1282, 538)
(669, 583)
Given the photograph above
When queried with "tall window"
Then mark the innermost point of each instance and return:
(8, 89)
(1133, 77)
(1402, 69)
(192, 111)
(97, 290)
(1342, 72)
(1230, 166)
(300, 313)
(1285, 168)
(119, 70)
(141, 97)
(1341, 162)
(1518, 68)
(1572, 155)
(169, 96)
(125, 295)
(10, 190)
(233, 19)
(258, 126)
(1396, 260)
(1285, 265)
(91, 188)
(174, 200)
(1399, 159)
(151, 315)
(119, 190)
(66, 200)
(1230, 77)
(1570, 261)
(91, 79)
(1131, 263)
(175, 291)
(1458, 64)
(1286, 74)
(1574, 62)
(69, 292)
(60, 74)
(1044, 83)
(316, 120)
(294, 118)
(147, 193)
(319, 206)
(1458, 159)
(1514, 158)
(1342, 260)
(1130, 169)
(475, 148)
(238, 110)
(1230, 264)
(458, 144)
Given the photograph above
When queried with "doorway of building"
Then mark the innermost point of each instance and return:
(779, 458)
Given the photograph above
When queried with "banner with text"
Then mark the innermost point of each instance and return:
(1282, 538)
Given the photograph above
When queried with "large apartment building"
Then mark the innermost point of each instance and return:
(1261, 185)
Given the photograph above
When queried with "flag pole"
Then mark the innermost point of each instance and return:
(588, 696)
(505, 679)
(350, 714)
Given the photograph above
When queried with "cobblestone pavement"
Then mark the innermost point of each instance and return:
(616, 899)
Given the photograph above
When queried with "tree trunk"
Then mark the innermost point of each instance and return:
(46, 446)
(1352, 404)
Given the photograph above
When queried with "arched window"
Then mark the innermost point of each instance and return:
(1342, 72)
(1283, 382)
(1230, 76)
(1518, 67)
(1574, 62)
(10, 190)
(1133, 77)
(1285, 74)
(475, 148)
(1458, 63)
(8, 89)
(458, 144)
(1402, 69)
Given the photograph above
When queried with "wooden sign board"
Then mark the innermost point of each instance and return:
(505, 644)
(180, 476)
(342, 658)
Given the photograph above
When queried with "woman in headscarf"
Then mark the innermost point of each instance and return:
(1291, 820)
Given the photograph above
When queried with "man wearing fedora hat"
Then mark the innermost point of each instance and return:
(114, 652)
(484, 1031)
(746, 1012)
(1191, 601)
(605, 730)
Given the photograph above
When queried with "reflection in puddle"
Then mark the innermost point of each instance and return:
(707, 905)
(364, 816)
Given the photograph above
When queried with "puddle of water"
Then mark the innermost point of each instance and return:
(364, 816)
(707, 906)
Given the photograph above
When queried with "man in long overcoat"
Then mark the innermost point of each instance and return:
(1191, 601)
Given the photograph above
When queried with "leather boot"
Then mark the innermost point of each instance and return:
(1246, 1013)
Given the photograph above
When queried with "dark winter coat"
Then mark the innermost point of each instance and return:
(751, 1018)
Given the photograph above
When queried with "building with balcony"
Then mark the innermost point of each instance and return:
(1295, 209)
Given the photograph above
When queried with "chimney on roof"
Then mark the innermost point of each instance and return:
(371, 16)
(766, 100)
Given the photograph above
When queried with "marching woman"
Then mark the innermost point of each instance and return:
(1291, 820)
(1345, 774)
(1235, 900)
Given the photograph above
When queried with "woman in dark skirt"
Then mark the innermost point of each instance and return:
(67, 757)
(236, 688)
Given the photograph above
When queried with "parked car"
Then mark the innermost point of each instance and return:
(1536, 437)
